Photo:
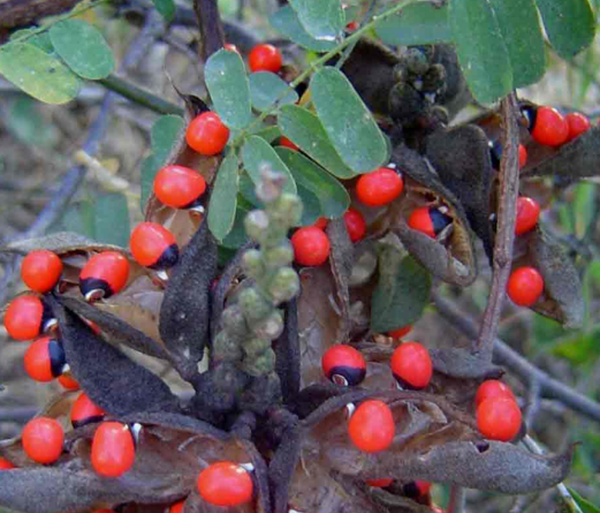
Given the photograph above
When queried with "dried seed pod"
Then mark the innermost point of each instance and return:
(461, 157)
(452, 260)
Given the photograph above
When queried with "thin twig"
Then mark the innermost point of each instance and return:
(211, 28)
(504, 355)
(140, 96)
(73, 178)
(533, 401)
(533, 446)
(458, 499)
(507, 215)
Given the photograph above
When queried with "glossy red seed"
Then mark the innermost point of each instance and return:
(42, 439)
(104, 274)
(68, 382)
(352, 26)
(85, 411)
(400, 332)
(525, 286)
(550, 128)
(284, 141)
(44, 359)
(371, 427)
(179, 186)
(265, 57)
(113, 449)
(207, 134)
(423, 487)
(225, 484)
(528, 213)
(321, 223)
(492, 388)
(177, 507)
(23, 318)
(420, 220)
(578, 124)
(150, 242)
(41, 270)
(380, 483)
(355, 224)
(6, 465)
(345, 361)
(522, 156)
(499, 419)
(411, 364)
(379, 187)
(311, 246)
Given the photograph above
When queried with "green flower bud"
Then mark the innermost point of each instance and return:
(271, 327)
(234, 323)
(260, 365)
(284, 286)
(253, 263)
(226, 348)
(256, 224)
(256, 346)
(289, 209)
(279, 255)
(254, 305)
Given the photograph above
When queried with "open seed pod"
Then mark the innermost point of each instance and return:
(450, 257)
(562, 299)
(183, 223)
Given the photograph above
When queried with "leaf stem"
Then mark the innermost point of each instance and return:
(81, 8)
(507, 215)
(313, 66)
(140, 96)
(566, 496)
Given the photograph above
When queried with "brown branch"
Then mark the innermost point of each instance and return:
(507, 214)
(505, 355)
(211, 28)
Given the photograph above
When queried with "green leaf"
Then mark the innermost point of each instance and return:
(41, 40)
(481, 50)
(228, 86)
(305, 130)
(402, 291)
(79, 218)
(83, 48)
(332, 195)
(26, 122)
(258, 154)
(323, 20)
(268, 90)
(570, 25)
(585, 505)
(347, 121)
(311, 206)
(286, 22)
(166, 8)
(520, 28)
(223, 201)
(584, 206)
(237, 237)
(112, 219)
(417, 24)
(581, 348)
(40, 75)
(163, 136)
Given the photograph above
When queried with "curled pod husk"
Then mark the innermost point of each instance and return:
(461, 158)
(428, 448)
(570, 162)
(453, 261)
(562, 299)
(110, 378)
(185, 310)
